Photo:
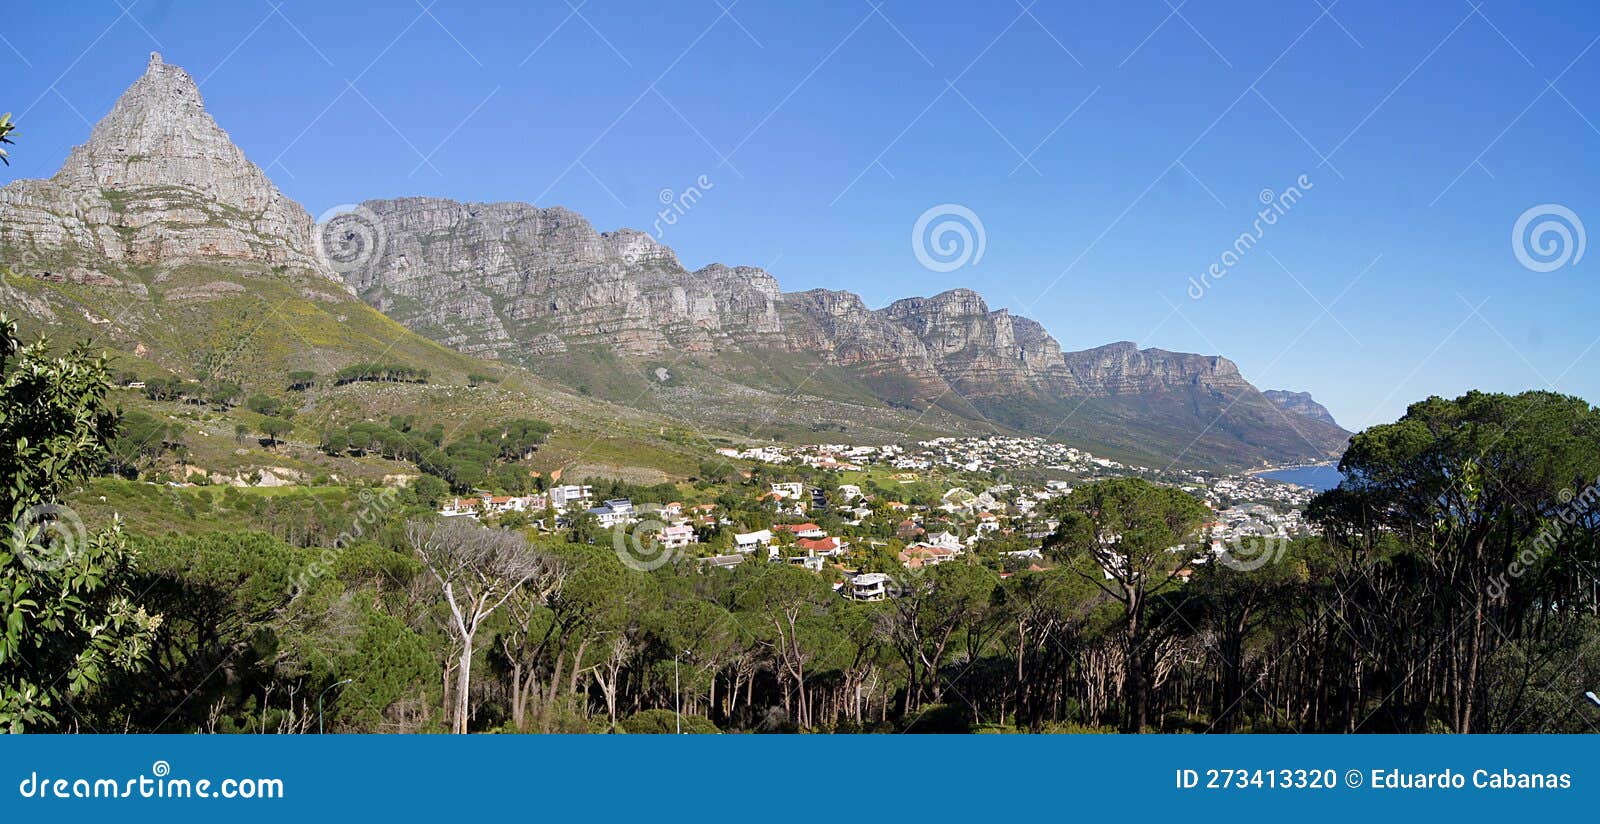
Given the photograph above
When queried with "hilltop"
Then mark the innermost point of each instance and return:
(161, 244)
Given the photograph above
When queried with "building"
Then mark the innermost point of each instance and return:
(722, 561)
(678, 537)
(561, 496)
(610, 515)
(811, 562)
(918, 556)
(824, 547)
(805, 530)
(751, 541)
(787, 491)
(490, 504)
(461, 508)
(869, 586)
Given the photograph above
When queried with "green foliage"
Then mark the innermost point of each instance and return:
(274, 429)
(667, 722)
(69, 618)
(266, 405)
(1123, 629)
(222, 394)
(483, 457)
(430, 491)
(164, 389)
(386, 372)
(6, 128)
(140, 441)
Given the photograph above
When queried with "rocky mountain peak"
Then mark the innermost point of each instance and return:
(158, 183)
(1300, 403)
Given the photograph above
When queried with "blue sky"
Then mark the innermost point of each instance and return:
(1112, 152)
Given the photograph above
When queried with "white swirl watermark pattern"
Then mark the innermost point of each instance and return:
(640, 545)
(349, 237)
(1547, 237)
(948, 237)
(48, 536)
(1252, 548)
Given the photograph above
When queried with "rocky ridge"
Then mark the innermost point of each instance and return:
(506, 279)
(158, 185)
(1300, 403)
(519, 282)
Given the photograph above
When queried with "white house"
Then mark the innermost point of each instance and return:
(751, 541)
(610, 516)
(788, 491)
(678, 537)
(811, 562)
(869, 586)
(560, 496)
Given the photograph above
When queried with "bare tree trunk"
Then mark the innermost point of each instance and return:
(463, 686)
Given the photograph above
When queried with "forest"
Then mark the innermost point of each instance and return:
(1451, 588)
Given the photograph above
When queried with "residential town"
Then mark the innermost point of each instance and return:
(864, 515)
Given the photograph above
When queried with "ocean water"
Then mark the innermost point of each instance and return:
(1320, 477)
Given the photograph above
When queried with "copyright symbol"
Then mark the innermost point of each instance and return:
(1353, 778)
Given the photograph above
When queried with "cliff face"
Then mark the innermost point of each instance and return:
(1124, 369)
(983, 352)
(1300, 403)
(514, 281)
(158, 184)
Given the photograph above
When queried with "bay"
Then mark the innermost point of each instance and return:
(1319, 477)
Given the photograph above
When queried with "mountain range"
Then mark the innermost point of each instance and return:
(167, 242)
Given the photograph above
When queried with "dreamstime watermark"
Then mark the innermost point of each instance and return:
(948, 237)
(1572, 508)
(1275, 205)
(373, 508)
(349, 237)
(1547, 237)
(674, 205)
(1254, 546)
(48, 537)
(643, 545)
(157, 783)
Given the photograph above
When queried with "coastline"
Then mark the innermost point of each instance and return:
(1265, 469)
